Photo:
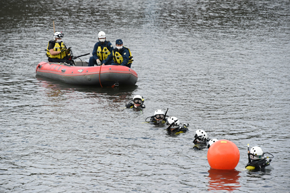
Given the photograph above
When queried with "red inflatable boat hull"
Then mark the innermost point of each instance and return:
(85, 75)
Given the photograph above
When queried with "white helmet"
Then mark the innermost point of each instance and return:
(101, 34)
(138, 99)
(171, 120)
(211, 141)
(201, 135)
(58, 35)
(256, 153)
(159, 112)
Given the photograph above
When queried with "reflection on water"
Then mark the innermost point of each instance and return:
(94, 91)
(60, 91)
(223, 180)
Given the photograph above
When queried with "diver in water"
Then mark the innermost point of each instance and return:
(136, 103)
(210, 142)
(159, 117)
(175, 127)
(200, 139)
(257, 159)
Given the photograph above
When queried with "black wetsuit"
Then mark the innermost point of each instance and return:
(154, 121)
(181, 129)
(131, 105)
(259, 164)
(199, 144)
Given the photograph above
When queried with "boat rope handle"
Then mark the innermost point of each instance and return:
(100, 76)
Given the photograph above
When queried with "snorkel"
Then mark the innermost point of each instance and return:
(249, 159)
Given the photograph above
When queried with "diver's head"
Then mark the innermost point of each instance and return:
(174, 122)
(211, 141)
(138, 100)
(159, 115)
(200, 136)
(256, 153)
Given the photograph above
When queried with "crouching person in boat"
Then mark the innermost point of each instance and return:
(121, 55)
(57, 51)
(175, 127)
(159, 118)
(257, 159)
(136, 103)
(200, 140)
(102, 50)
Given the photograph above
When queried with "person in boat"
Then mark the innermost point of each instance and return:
(121, 55)
(101, 51)
(200, 140)
(136, 103)
(57, 51)
(257, 159)
(175, 127)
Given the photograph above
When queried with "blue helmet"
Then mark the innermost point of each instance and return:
(119, 42)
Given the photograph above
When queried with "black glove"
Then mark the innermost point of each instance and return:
(62, 50)
(68, 50)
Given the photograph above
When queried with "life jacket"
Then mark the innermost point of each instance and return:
(103, 53)
(58, 46)
(118, 58)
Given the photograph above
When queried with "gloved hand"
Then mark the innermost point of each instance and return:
(62, 51)
(68, 50)
(98, 61)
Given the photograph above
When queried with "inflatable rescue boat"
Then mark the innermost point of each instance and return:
(82, 74)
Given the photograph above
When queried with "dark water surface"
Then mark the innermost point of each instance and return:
(222, 66)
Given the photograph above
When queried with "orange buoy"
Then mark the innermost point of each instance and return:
(223, 155)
